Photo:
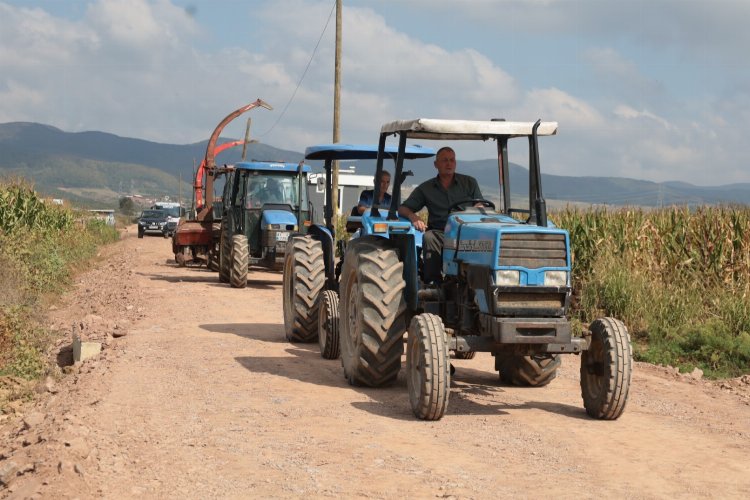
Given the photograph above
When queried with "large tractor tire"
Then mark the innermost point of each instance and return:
(304, 277)
(464, 355)
(528, 371)
(238, 270)
(225, 254)
(427, 367)
(328, 325)
(372, 312)
(606, 369)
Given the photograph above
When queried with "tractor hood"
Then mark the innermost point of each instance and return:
(278, 217)
(501, 242)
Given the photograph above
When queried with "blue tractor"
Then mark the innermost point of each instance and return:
(263, 204)
(311, 269)
(506, 288)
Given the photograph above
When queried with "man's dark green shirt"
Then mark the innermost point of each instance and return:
(438, 200)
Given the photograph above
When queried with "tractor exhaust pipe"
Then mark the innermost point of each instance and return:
(540, 206)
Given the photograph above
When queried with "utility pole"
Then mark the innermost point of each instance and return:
(336, 115)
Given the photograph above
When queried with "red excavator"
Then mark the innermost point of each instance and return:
(197, 240)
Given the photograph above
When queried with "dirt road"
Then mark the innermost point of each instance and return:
(204, 398)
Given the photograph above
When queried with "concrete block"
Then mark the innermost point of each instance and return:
(85, 350)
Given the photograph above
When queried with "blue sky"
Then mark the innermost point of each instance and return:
(656, 90)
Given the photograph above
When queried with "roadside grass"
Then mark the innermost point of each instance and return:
(41, 248)
(678, 278)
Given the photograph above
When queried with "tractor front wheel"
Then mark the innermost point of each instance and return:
(606, 369)
(304, 277)
(180, 255)
(328, 325)
(372, 312)
(212, 260)
(238, 271)
(427, 367)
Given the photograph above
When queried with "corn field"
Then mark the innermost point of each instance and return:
(41, 246)
(679, 278)
(20, 208)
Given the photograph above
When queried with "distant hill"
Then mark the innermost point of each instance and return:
(98, 168)
(101, 167)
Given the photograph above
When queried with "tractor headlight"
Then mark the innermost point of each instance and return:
(507, 278)
(555, 278)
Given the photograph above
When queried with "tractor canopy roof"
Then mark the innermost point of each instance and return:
(428, 128)
(270, 166)
(362, 152)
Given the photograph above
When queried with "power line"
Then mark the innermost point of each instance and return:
(315, 50)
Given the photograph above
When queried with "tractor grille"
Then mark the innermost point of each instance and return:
(532, 250)
(519, 304)
(530, 300)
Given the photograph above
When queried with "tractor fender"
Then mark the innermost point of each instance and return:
(407, 249)
(322, 234)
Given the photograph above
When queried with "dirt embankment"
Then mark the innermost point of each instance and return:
(196, 394)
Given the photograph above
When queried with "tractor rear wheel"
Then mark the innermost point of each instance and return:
(606, 369)
(304, 277)
(427, 367)
(238, 271)
(225, 253)
(372, 312)
(328, 325)
(528, 371)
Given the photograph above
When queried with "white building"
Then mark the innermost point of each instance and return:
(351, 186)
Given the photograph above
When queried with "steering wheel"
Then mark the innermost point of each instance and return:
(456, 206)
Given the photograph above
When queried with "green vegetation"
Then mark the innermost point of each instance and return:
(679, 278)
(41, 246)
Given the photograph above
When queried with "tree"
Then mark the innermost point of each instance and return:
(127, 207)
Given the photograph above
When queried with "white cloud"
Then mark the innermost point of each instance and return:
(556, 105)
(146, 71)
(696, 29)
(629, 113)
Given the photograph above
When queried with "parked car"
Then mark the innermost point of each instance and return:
(153, 222)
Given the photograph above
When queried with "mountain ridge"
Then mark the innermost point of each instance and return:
(61, 162)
